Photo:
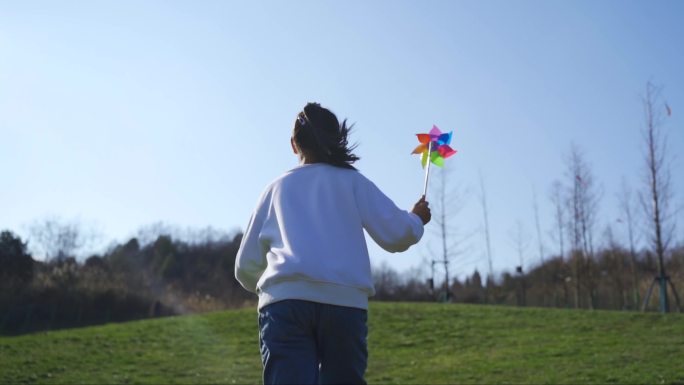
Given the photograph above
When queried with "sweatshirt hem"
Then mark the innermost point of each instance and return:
(321, 292)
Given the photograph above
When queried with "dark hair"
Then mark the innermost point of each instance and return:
(318, 131)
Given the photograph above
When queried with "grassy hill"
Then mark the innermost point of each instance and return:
(408, 343)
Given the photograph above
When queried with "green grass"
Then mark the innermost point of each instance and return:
(408, 343)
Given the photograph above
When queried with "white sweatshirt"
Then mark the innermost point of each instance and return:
(305, 239)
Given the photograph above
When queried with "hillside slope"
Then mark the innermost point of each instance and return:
(408, 343)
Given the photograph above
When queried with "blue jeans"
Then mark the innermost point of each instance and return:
(305, 342)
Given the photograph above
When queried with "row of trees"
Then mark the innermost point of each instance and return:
(614, 280)
(576, 201)
(131, 280)
(167, 276)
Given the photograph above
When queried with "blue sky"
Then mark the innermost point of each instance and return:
(122, 114)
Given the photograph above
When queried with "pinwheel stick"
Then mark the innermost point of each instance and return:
(427, 169)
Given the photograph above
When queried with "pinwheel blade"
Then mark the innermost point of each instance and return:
(423, 138)
(423, 159)
(445, 138)
(420, 149)
(436, 159)
(445, 151)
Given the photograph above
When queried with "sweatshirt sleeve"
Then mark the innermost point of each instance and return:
(390, 227)
(250, 261)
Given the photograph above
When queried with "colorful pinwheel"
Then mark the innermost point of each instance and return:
(437, 144)
(434, 145)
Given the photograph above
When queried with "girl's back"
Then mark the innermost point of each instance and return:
(310, 224)
(304, 253)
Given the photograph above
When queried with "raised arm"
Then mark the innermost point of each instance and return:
(391, 228)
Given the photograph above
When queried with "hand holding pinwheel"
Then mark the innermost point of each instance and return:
(422, 209)
(434, 145)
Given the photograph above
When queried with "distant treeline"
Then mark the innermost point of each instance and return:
(614, 279)
(167, 277)
(130, 281)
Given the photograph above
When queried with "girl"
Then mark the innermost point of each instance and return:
(305, 255)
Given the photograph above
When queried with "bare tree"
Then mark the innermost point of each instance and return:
(447, 202)
(545, 289)
(540, 241)
(582, 202)
(627, 208)
(657, 190)
(59, 239)
(556, 196)
(520, 240)
(485, 213)
(613, 259)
